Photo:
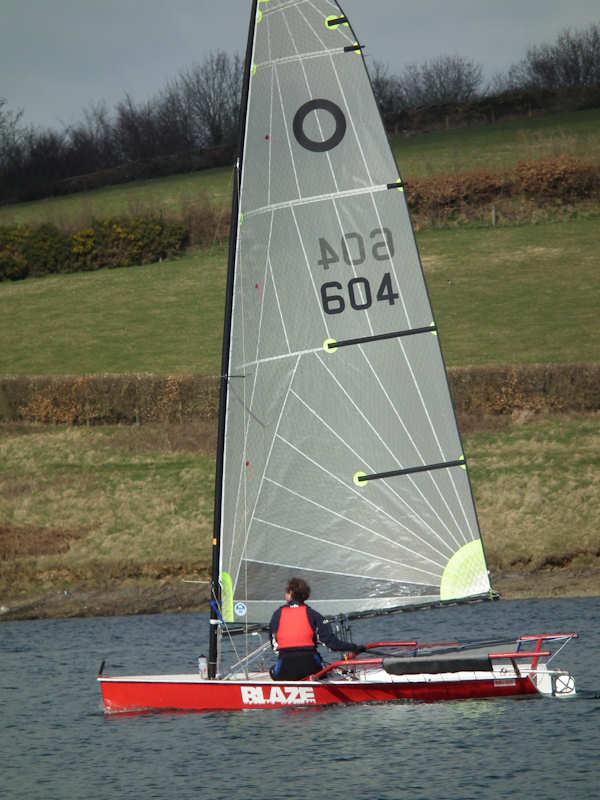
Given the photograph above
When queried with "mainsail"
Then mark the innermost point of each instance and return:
(341, 460)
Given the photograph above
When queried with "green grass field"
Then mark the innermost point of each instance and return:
(520, 294)
(494, 148)
(102, 505)
(498, 148)
(138, 500)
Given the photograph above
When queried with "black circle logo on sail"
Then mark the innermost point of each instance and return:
(335, 138)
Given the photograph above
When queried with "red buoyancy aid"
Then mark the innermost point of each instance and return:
(294, 628)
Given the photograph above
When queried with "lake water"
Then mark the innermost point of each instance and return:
(56, 742)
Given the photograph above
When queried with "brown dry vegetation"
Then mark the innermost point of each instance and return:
(101, 399)
(135, 510)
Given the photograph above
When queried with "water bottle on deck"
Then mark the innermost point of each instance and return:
(203, 667)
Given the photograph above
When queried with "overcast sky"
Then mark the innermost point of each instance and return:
(59, 56)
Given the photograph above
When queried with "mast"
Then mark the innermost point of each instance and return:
(215, 588)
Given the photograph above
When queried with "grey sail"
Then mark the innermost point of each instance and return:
(342, 462)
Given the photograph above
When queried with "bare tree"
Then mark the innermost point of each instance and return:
(10, 132)
(386, 88)
(573, 59)
(212, 91)
(446, 79)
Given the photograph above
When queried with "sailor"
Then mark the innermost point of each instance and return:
(295, 629)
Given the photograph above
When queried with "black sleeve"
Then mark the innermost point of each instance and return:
(274, 626)
(326, 634)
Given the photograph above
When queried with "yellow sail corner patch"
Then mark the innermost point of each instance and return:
(226, 596)
(466, 573)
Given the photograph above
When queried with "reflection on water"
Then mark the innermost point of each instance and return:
(57, 743)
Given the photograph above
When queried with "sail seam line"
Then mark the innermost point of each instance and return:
(393, 266)
(330, 572)
(387, 447)
(438, 443)
(258, 493)
(299, 57)
(359, 143)
(354, 491)
(318, 198)
(400, 420)
(287, 133)
(329, 543)
(279, 357)
(347, 519)
(394, 493)
(247, 423)
(283, 7)
(333, 175)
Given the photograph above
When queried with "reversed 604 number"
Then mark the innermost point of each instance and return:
(358, 292)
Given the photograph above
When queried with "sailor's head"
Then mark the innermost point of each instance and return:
(297, 590)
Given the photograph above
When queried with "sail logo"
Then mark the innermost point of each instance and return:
(283, 695)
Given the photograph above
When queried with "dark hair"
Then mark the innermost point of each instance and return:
(299, 589)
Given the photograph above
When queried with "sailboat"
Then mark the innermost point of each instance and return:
(339, 457)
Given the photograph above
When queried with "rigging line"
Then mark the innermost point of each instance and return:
(318, 198)
(354, 491)
(371, 556)
(287, 131)
(383, 442)
(246, 410)
(267, 464)
(405, 429)
(224, 624)
(247, 418)
(331, 572)
(415, 514)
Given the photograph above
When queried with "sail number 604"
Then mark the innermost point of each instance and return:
(359, 294)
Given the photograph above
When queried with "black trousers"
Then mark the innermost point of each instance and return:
(294, 665)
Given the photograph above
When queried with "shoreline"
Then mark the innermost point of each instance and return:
(173, 596)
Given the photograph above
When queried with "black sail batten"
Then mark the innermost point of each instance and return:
(378, 337)
(460, 462)
(223, 394)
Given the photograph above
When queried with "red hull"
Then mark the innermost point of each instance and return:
(190, 694)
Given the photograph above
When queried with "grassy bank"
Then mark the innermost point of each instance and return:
(119, 509)
(519, 294)
(495, 148)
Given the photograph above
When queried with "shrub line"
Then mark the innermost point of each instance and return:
(145, 238)
(139, 399)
